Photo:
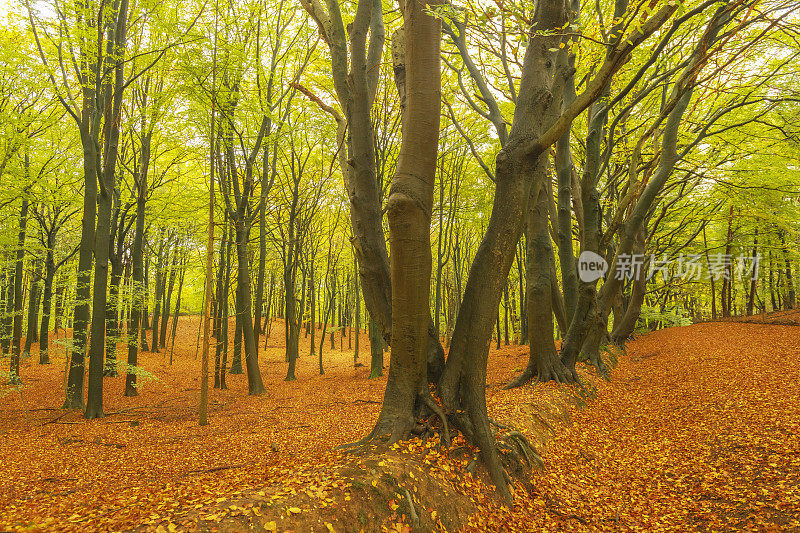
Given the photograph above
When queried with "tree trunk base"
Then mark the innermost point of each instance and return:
(93, 413)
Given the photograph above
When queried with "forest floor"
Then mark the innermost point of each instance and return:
(698, 429)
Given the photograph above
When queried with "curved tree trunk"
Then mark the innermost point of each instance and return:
(462, 386)
(355, 89)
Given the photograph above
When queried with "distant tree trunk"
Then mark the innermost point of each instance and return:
(32, 334)
(505, 314)
(523, 313)
(711, 280)
(157, 297)
(725, 299)
(312, 326)
(177, 313)
(173, 271)
(267, 318)
(236, 362)
(16, 284)
(6, 306)
(60, 318)
(262, 250)
(627, 324)
(146, 308)
(357, 300)
(112, 313)
(789, 302)
(543, 361)
(47, 297)
(137, 273)
(753, 276)
(497, 327)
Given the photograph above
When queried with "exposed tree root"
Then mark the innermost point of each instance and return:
(433, 406)
(556, 372)
(520, 380)
(393, 428)
(412, 511)
(596, 360)
(516, 448)
(512, 451)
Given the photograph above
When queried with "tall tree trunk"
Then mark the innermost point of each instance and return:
(158, 296)
(543, 361)
(409, 209)
(16, 284)
(462, 385)
(209, 266)
(32, 334)
(173, 271)
(47, 298)
(94, 401)
(255, 385)
(225, 306)
(137, 274)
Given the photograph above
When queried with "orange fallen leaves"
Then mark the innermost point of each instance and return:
(699, 428)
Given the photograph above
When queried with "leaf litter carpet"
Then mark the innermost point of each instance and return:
(698, 430)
